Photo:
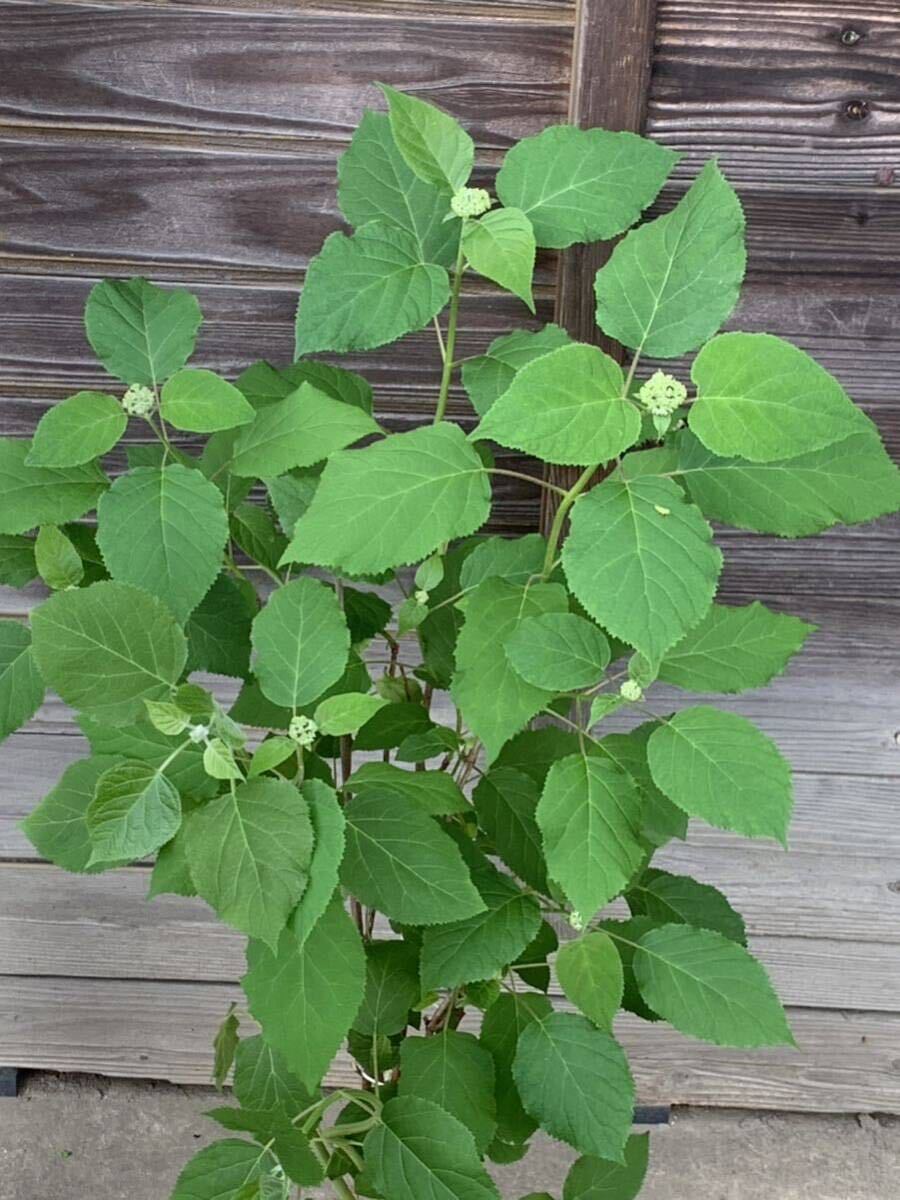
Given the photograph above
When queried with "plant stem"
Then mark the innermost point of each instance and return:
(451, 336)
(340, 1188)
(562, 512)
(544, 483)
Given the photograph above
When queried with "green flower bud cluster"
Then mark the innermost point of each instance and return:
(139, 401)
(631, 691)
(303, 731)
(470, 202)
(662, 394)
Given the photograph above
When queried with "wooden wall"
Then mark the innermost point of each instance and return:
(196, 143)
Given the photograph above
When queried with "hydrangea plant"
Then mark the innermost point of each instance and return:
(381, 810)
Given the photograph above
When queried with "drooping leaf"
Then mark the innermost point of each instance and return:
(171, 871)
(582, 185)
(200, 401)
(506, 800)
(218, 630)
(597, 1179)
(456, 1072)
(262, 1080)
(32, 496)
(394, 502)
(328, 825)
(292, 494)
(671, 283)
(721, 768)
(225, 1043)
(275, 1130)
(77, 430)
(433, 145)
(57, 828)
(135, 810)
(590, 973)
(517, 560)
(558, 650)
(141, 333)
(346, 712)
(58, 562)
(433, 791)
(255, 531)
(679, 899)
(501, 1029)
(661, 820)
(487, 376)
(300, 642)
(533, 964)
(21, 684)
(392, 988)
(501, 247)
(223, 1171)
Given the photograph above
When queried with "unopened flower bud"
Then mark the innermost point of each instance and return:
(662, 394)
(139, 401)
(470, 202)
(576, 920)
(303, 731)
(198, 733)
(421, 597)
(632, 691)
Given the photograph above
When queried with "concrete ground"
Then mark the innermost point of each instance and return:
(87, 1138)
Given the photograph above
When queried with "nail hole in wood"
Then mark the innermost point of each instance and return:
(856, 110)
(851, 36)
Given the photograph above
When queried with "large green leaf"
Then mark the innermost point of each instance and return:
(392, 988)
(363, 291)
(568, 406)
(32, 496)
(262, 1081)
(494, 699)
(394, 502)
(420, 1152)
(720, 767)
(503, 1025)
(135, 810)
(375, 184)
(76, 430)
(300, 642)
(249, 852)
(399, 861)
(733, 649)
(597, 1179)
(763, 399)
(488, 375)
(328, 825)
(218, 631)
(336, 382)
(709, 987)
(223, 1171)
(164, 530)
(346, 712)
(305, 997)
(141, 333)
(671, 283)
(574, 1079)
(433, 145)
(434, 792)
(642, 561)
(678, 898)
(21, 685)
(107, 648)
(456, 1072)
(203, 402)
(505, 800)
(500, 246)
(558, 650)
(589, 970)
(298, 431)
(582, 185)
(517, 560)
(57, 828)
(590, 816)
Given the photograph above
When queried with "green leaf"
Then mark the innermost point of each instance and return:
(141, 333)
(17, 564)
(661, 820)
(392, 725)
(501, 1029)
(171, 871)
(558, 650)
(534, 751)
(394, 502)
(574, 1079)
(328, 825)
(681, 900)
(642, 561)
(493, 698)
(249, 852)
(262, 1081)
(733, 649)
(300, 642)
(590, 973)
(501, 247)
(203, 402)
(218, 630)
(505, 800)
(709, 987)
(107, 648)
(582, 185)
(275, 1130)
(433, 145)
(456, 1072)
(32, 496)
(336, 382)
(363, 291)
(392, 988)
(375, 184)
(532, 965)
(432, 791)
(255, 531)
(568, 406)
(77, 430)
(298, 431)
(596, 1179)
(761, 398)
(670, 284)
(420, 1151)
(517, 560)
(141, 741)
(849, 482)
(21, 685)
(487, 376)
(222, 1171)
(58, 562)
(346, 713)
(721, 768)
(305, 997)
(399, 861)
(482, 945)
(225, 1043)
(164, 530)
(271, 754)
(590, 816)
(135, 810)
(57, 828)
(292, 494)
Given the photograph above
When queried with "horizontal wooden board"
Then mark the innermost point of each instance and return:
(845, 1062)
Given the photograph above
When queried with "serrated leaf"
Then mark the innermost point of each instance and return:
(164, 530)
(392, 988)
(141, 333)
(393, 502)
(574, 1079)
(21, 684)
(534, 751)
(517, 560)
(32, 496)
(642, 561)
(107, 648)
(596, 1179)
(167, 717)
(501, 247)
(720, 767)
(433, 145)
(366, 290)
(456, 1072)
(590, 816)
(346, 713)
(506, 800)
(590, 973)
(434, 792)
(219, 761)
(399, 861)
(709, 987)
(392, 725)
(262, 1081)
(300, 643)
(582, 185)
(75, 431)
(568, 406)
(223, 1171)
(532, 965)
(141, 741)
(336, 382)
(661, 820)
(305, 997)
(503, 1025)
(171, 871)
(225, 1043)
(292, 494)
(249, 853)
(200, 401)
(57, 827)
(558, 650)
(679, 899)
(670, 284)
(327, 818)
(275, 1130)
(218, 630)
(487, 376)
(494, 699)
(57, 560)
(271, 754)
(135, 810)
